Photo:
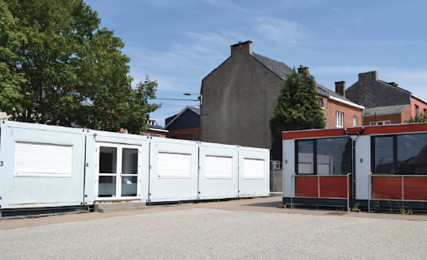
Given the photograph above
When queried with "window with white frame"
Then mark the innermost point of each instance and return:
(387, 122)
(339, 119)
(354, 120)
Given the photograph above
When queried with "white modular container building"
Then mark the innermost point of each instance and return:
(117, 167)
(41, 166)
(219, 171)
(173, 170)
(254, 172)
(50, 166)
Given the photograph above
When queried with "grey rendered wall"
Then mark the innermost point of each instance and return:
(238, 100)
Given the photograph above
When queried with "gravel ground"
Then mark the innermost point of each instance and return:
(207, 233)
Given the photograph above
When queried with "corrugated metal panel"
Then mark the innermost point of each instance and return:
(254, 175)
(219, 171)
(167, 188)
(37, 144)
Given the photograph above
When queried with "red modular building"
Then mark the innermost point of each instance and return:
(373, 166)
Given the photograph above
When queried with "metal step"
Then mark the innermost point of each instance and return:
(106, 207)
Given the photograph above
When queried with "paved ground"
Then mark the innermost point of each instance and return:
(235, 229)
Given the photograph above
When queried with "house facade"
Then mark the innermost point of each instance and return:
(385, 102)
(240, 95)
(184, 125)
(153, 129)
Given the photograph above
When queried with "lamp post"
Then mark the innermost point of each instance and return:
(195, 94)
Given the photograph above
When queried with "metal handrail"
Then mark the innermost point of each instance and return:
(396, 175)
(402, 176)
(317, 175)
(318, 185)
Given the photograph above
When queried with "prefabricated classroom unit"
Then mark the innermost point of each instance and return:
(49, 166)
(373, 166)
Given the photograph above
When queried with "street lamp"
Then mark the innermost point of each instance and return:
(195, 94)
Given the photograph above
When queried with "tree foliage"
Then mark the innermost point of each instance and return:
(58, 67)
(297, 106)
(418, 118)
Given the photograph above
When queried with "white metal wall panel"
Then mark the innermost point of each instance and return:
(169, 180)
(95, 138)
(218, 176)
(34, 172)
(363, 166)
(250, 183)
(288, 168)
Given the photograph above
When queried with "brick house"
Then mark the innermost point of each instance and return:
(385, 102)
(153, 129)
(240, 95)
(185, 124)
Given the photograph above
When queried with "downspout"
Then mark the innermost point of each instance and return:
(353, 160)
(85, 165)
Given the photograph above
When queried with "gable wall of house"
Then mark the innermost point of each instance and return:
(369, 92)
(188, 119)
(238, 100)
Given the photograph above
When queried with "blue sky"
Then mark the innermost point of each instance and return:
(178, 42)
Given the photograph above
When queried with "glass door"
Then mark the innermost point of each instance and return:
(129, 173)
(118, 171)
(107, 177)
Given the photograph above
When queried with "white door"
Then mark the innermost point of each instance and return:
(118, 171)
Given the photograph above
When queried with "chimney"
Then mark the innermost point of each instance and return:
(369, 76)
(301, 69)
(394, 84)
(340, 88)
(241, 47)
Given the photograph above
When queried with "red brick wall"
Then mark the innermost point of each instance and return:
(330, 107)
(186, 133)
(394, 119)
(406, 115)
(148, 132)
(421, 104)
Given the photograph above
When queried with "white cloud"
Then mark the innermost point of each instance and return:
(280, 31)
(339, 70)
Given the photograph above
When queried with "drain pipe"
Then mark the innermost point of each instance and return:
(353, 137)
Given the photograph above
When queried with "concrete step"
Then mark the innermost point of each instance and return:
(105, 207)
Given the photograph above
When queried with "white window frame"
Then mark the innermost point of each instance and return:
(354, 120)
(385, 122)
(339, 116)
(119, 175)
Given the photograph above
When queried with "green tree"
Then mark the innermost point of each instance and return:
(65, 70)
(297, 106)
(11, 76)
(418, 118)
